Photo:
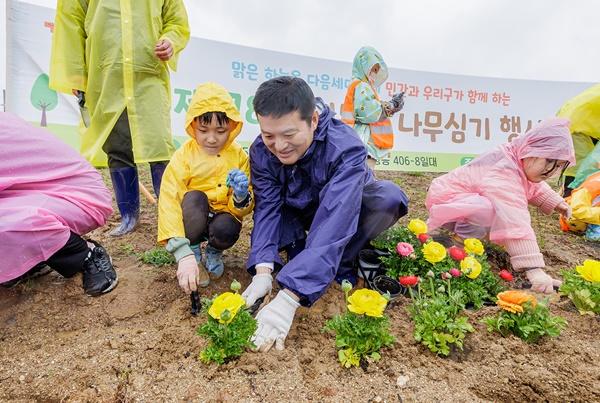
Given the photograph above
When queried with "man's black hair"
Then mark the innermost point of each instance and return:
(206, 118)
(280, 96)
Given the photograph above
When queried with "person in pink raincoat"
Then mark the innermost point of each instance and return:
(49, 197)
(491, 195)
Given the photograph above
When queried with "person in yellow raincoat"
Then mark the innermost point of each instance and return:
(205, 192)
(584, 203)
(584, 113)
(118, 54)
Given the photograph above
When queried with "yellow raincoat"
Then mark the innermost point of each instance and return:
(584, 113)
(191, 168)
(105, 48)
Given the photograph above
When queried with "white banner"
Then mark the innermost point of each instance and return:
(446, 118)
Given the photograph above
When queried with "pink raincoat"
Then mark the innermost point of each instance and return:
(493, 192)
(46, 190)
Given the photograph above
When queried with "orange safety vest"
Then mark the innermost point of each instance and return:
(381, 132)
(592, 185)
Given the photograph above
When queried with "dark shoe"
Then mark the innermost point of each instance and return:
(99, 276)
(38, 270)
(157, 169)
(127, 192)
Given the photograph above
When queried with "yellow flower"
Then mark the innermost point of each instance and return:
(474, 246)
(367, 302)
(417, 227)
(229, 302)
(513, 301)
(590, 270)
(434, 252)
(470, 267)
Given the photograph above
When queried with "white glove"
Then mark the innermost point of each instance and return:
(260, 286)
(274, 322)
(541, 282)
(188, 273)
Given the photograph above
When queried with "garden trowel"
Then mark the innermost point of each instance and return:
(85, 114)
(195, 298)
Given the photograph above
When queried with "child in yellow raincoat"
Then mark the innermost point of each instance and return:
(583, 111)
(205, 191)
(585, 209)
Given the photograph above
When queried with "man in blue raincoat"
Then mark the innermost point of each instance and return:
(309, 173)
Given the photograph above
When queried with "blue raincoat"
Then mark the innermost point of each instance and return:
(331, 193)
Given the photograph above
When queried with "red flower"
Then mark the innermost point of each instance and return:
(506, 275)
(423, 237)
(457, 253)
(409, 281)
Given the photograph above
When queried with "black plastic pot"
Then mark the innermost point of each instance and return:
(384, 284)
(369, 265)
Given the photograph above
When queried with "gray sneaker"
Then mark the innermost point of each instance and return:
(38, 270)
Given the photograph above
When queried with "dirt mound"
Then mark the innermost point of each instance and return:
(139, 341)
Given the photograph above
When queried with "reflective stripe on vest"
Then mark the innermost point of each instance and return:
(381, 132)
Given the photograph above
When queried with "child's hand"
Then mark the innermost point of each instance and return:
(188, 274)
(163, 50)
(238, 181)
(541, 282)
(564, 209)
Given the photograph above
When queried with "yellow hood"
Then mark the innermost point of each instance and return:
(212, 97)
(583, 111)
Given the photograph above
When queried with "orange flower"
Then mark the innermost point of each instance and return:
(513, 300)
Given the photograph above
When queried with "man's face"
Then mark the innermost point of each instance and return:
(288, 137)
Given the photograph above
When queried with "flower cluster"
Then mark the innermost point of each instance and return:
(363, 330)
(228, 328)
(525, 317)
(412, 254)
(582, 286)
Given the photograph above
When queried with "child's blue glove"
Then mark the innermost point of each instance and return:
(238, 181)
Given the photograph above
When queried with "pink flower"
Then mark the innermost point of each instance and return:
(445, 275)
(454, 272)
(404, 249)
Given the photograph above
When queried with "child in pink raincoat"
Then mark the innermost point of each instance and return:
(49, 197)
(491, 195)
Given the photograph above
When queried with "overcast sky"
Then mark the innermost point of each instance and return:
(532, 39)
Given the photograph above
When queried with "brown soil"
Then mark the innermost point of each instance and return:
(139, 341)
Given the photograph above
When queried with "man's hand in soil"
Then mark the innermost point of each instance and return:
(541, 282)
(274, 322)
(261, 285)
(163, 50)
(188, 273)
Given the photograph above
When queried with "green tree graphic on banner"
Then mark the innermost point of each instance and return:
(42, 97)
